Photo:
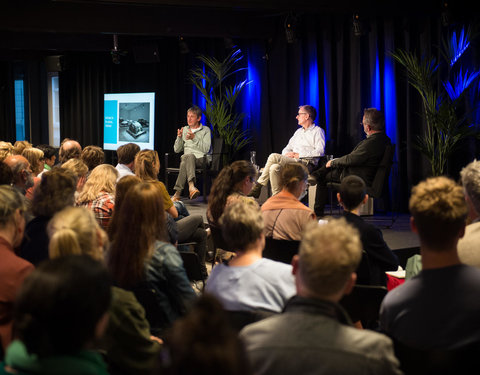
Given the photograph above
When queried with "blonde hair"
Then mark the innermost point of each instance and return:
(440, 211)
(74, 231)
(19, 146)
(242, 224)
(34, 155)
(328, 255)
(77, 166)
(6, 149)
(145, 163)
(102, 178)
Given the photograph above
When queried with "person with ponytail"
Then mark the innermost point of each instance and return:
(284, 215)
(233, 183)
(129, 346)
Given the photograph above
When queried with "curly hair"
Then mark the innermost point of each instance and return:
(92, 156)
(102, 179)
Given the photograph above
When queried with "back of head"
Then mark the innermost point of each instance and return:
(6, 175)
(141, 221)
(74, 231)
(310, 110)
(69, 149)
(470, 176)
(374, 118)
(55, 191)
(439, 209)
(352, 192)
(103, 178)
(34, 156)
(147, 165)
(19, 146)
(204, 343)
(126, 153)
(77, 166)
(242, 224)
(92, 156)
(225, 183)
(292, 175)
(328, 255)
(60, 304)
(48, 151)
(10, 201)
(6, 149)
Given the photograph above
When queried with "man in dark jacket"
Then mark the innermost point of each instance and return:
(363, 161)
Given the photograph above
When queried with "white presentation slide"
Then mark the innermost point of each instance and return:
(129, 118)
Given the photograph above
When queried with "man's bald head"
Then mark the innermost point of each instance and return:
(69, 149)
(22, 173)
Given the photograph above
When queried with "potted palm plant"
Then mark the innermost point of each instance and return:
(447, 120)
(215, 80)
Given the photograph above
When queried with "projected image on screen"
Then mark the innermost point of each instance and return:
(133, 123)
(129, 118)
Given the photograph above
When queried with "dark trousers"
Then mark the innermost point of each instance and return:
(324, 175)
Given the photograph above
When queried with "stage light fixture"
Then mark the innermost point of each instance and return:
(183, 46)
(115, 52)
(357, 25)
(446, 15)
(290, 28)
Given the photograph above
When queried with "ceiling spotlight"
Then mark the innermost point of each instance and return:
(290, 28)
(183, 46)
(357, 25)
(446, 15)
(115, 52)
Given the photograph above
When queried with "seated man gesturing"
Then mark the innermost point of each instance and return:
(195, 141)
(307, 141)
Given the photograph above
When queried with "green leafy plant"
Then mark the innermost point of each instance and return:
(443, 100)
(214, 81)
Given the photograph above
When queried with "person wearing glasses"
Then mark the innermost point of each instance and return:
(363, 161)
(307, 142)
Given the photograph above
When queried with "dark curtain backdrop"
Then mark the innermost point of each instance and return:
(351, 71)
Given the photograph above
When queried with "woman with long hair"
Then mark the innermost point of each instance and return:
(233, 183)
(190, 228)
(128, 344)
(139, 261)
(98, 193)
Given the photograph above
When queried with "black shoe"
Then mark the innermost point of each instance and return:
(257, 189)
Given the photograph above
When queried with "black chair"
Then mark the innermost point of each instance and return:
(192, 266)
(218, 241)
(207, 169)
(437, 362)
(239, 319)
(363, 304)
(280, 250)
(405, 253)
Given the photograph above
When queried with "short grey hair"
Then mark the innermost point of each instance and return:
(470, 176)
(10, 201)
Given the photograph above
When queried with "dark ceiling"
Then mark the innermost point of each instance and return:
(55, 26)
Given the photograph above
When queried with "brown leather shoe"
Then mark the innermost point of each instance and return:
(194, 193)
(257, 189)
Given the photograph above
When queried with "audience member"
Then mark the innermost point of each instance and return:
(194, 141)
(139, 260)
(126, 159)
(79, 169)
(12, 268)
(6, 175)
(49, 156)
(60, 310)
(203, 343)
(232, 184)
(55, 192)
(439, 307)
(6, 149)
(314, 335)
(363, 161)
(307, 142)
(284, 215)
(19, 146)
(469, 244)
(249, 282)
(98, 193)
(352, 195)
(128, 346)
(35, 158)
(92, 156)
(22, 173)
(69, 149)
(190, 228)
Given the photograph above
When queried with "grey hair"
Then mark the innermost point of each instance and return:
(470, 176)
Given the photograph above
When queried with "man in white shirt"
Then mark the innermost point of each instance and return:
(307, 142)
(126, 159)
